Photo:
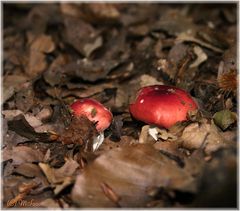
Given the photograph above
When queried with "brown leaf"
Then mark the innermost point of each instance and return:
(230, 136)
(90, 70)
(177, 53)
(22, 154)
(139, 30)
(32, 171)
(190, 37)
(43, 43)
(229, 60)
(55, 75)
(173, 21)
(11, 139)
(40, 16)
(195, 134)
(174, 61)
(31, 119)
(81, 92)
(70, 9)
(21, 126)
(37, 63)
(170, 147)
(129, 171)
(122, 72)
(39, 45)
(11, 84)
(55, 176)
(45, 113)
(28, 170)
(99, 13)
(62, 177)
(25, 98)
(137, 14)
(81, 35)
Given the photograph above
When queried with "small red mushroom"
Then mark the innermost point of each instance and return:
(162, 105)
(94, 111)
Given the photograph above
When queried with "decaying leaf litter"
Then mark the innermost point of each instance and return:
(56, 53)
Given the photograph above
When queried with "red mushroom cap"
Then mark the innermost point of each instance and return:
(94, 111)
(162, 105)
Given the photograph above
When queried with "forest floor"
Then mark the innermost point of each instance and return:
(55, 53)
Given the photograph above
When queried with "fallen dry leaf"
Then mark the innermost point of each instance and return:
(62, 177)
(40, 16)
(171, 147)
(129, 171)
(31, 119)
(25, 97)
(21, 126)
(54, 74)
(90, 70)
(81, 35)
(188, 36)
(39, 46)
(22, 154)
(103, 12)
(55, 176)
(11, 84)
(93, 12)
(37, 64)
(11, 139)
(174, 22)
(204, 135)
(42, 43)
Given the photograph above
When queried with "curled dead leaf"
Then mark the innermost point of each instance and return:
(205, 135)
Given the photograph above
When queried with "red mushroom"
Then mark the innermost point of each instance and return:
(95, 112)
(162, 105)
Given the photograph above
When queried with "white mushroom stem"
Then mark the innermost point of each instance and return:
(98, 140)
(152, 131)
